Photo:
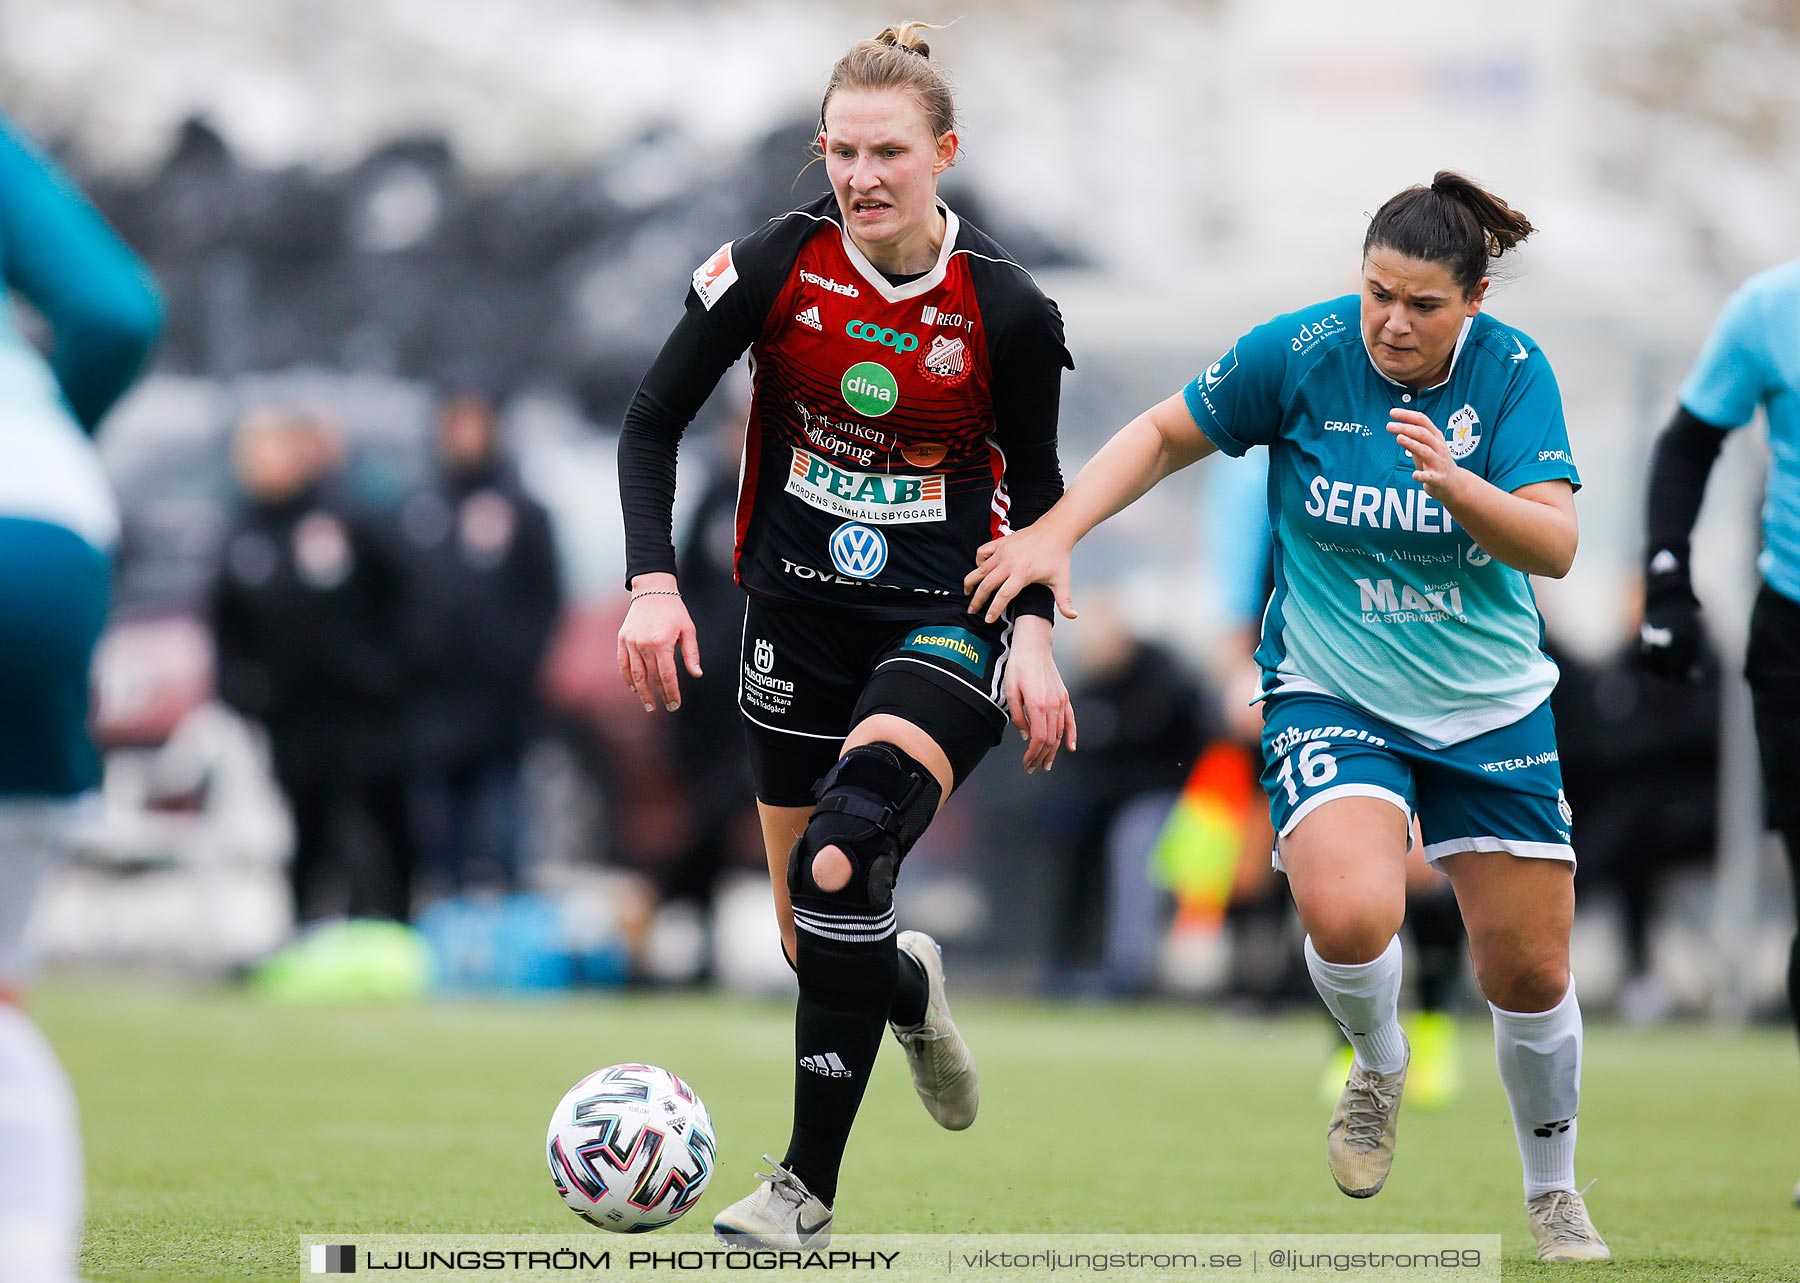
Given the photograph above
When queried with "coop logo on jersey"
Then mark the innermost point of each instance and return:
(869, 389)
(1462, 433)
(946, 359)
(869, 332)
(858, 551)
(885, 498)
(716, 275)
(763, 655)
(958, 644)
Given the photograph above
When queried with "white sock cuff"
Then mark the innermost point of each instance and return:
(1527, 1019)
(1350, 974)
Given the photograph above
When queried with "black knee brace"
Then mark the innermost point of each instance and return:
(872, 806)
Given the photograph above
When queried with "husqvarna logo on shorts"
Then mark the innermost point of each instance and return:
(763, 655)
(858, 551)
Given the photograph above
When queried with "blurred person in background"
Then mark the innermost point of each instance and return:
(58, 527)
(309, 622)
(1751, 359)
(1402, 671)
(485, 595)
(1145, 719)
(907, 374)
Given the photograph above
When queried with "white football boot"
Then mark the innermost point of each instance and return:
(943, 1071)
(780, 1213)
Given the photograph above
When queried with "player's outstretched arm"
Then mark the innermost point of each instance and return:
(657, 624)
(1161, 440)
(1532, 528)
(1036, 698)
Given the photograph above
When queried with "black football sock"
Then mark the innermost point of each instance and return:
(911, 994)
(1790, 841)
(1437, 937)
(846, 990)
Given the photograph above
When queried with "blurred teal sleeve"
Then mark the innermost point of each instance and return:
(1237, 399)
(1236, 537)
(1732, 374)
(103, 309)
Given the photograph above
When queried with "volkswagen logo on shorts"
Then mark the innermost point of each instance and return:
(858, 550)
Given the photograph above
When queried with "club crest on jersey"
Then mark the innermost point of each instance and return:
(1462, 433)
(716, 275)
(883, 498)
(858, 551)
(946, 360)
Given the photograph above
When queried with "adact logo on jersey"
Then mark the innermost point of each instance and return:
(869, 389)
(1461, 433)
(1311, 334)
(826, 283)
(886, 498)
(716, 275)
(858, 551)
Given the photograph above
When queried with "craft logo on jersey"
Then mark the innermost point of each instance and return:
(716, 275)
(763, 655)
(946, 359)
(869, 332)
(858, 551)
(1462, 434)
(869, 389)
(885, 498)
(810, 318)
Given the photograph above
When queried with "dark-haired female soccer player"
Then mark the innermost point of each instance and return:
(1419, 474)
(906, 379)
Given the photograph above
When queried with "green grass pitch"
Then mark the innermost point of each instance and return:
(219, 1128)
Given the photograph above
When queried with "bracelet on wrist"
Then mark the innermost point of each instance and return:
(656, 592)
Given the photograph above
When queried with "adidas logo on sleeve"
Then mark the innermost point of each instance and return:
(810, 318)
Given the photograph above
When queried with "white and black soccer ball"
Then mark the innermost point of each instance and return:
(631, 1148)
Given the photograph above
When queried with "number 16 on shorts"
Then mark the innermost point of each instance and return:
(1313, 765)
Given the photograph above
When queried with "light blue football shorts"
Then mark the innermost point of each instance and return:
(1502, 791)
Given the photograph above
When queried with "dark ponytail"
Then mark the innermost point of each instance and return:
(1453, 222)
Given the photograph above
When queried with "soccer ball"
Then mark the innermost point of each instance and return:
(631, 1148)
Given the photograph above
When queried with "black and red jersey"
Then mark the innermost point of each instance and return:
(894, 426)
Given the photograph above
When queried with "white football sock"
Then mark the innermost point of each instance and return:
(1539, 1053)
(40, 1157)
(1364, 999)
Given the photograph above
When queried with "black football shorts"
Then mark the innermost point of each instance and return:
(808, 675)
(1772, 664)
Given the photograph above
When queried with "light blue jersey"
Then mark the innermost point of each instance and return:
(1380, 598)
(1752, 358)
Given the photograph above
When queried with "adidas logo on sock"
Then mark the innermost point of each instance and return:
(826, 1063)
(810, 318)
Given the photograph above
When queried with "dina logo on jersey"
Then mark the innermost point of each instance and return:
(869, 389)
(946, 360)
(1463, 433)
(885, 498)
(858, 551)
